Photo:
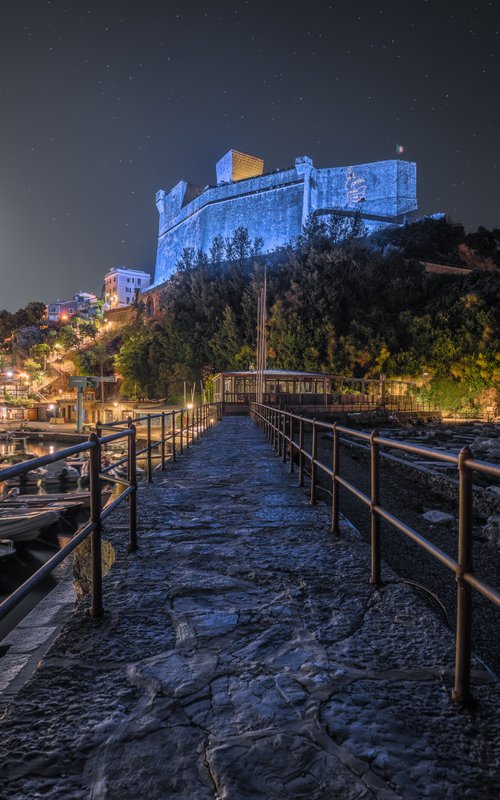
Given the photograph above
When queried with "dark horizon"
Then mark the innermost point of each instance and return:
(105, 104)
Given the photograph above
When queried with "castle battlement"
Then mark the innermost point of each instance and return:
(274, 206)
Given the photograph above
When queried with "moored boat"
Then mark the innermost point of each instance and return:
(23, 525)
(43, 500)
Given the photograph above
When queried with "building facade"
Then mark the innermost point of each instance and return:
(275, 206)
(61, 311)
(122, 285)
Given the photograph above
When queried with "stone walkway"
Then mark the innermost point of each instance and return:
(244, 655)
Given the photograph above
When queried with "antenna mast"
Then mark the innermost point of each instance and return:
(261, 340)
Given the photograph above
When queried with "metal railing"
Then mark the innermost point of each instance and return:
(344, 403)
(286, 433)
(177, 428)
(192, 424)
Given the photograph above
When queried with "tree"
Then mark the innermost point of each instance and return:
(226, 343)
(34, 370)
(343, 229)
(67, 337)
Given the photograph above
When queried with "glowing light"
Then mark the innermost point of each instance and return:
(399, 149)
(190, 405)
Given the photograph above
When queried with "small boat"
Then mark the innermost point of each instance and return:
(6, 548)
(40, 501)
(8, 459)
(122, 472)
(77, 461)
(58, 472)
(30, 478)
(18, 456)
(21, 525)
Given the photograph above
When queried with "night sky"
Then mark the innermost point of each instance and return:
(103, 103)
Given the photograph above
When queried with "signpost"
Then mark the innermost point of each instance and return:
(80, 383)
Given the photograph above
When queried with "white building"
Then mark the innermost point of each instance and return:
(83, 304)
(121, 286)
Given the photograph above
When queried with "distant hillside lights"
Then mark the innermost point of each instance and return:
(122, 285)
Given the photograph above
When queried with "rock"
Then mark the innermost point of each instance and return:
(438, 517)
(82, 565)
(492, 530)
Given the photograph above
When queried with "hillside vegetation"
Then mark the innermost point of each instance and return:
(349, 307)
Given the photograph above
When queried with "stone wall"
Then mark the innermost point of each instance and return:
(275, 206)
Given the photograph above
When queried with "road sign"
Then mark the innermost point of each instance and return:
(78, 381)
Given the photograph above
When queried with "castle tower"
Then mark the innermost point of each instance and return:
(236, 166)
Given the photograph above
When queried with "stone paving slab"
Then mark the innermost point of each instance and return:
(243, 654)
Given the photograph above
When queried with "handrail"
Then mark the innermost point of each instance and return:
(276, 422)
(200, 419)
(185, 425)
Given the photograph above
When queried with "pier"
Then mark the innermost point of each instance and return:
(244, 653)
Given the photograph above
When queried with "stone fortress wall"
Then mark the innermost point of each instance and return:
(275, 206)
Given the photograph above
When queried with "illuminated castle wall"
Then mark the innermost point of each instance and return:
(274, 206)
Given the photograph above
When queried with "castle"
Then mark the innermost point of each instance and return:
(274, 206)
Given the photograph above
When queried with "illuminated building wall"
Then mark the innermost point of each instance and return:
(236, 166)
(121, 285)
(274, 206)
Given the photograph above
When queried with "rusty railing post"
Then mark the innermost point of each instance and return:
(291, 453)
(301, 451)
(132, 500)
(149, 470)
(335, 485)
(188, 423)
(163, 441)
(173, 436)
(182, 429)
(96, 609)
(461, 689)
(374, 501)
(283, 436)
(314, 455)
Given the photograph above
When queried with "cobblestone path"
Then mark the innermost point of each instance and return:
(244, 655)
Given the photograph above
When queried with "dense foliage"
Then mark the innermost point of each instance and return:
(338, 306)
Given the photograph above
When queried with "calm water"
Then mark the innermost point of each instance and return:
(26, 557)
